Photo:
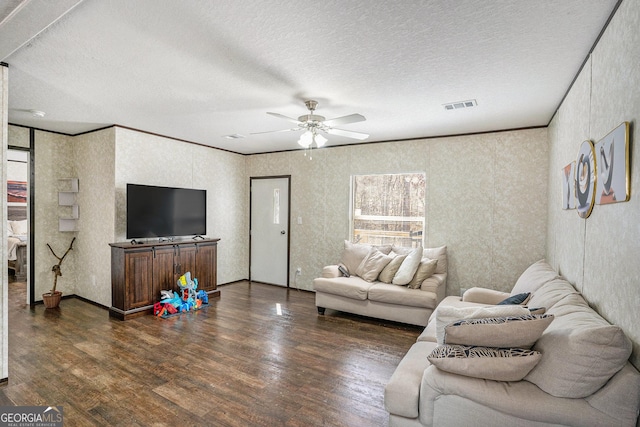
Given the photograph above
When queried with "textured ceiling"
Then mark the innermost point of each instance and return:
(199, 70)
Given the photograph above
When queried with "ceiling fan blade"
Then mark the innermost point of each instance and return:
(292, 120)
(348, 133)
(351, 118)
(274, 131)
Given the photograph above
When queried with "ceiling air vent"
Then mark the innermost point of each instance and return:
(460, 104)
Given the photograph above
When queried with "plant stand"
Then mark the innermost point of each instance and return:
(52, 299)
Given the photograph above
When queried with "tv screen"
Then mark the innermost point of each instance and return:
(165, 211)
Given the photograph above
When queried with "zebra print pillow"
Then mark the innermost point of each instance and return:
(511, 331)
(498, 364)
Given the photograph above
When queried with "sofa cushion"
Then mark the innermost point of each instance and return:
(533, 277)
(354, 253)
(448, 314)
(372, 265)
(580, 351)
(426, 268)
(551, 292)
(498, 364)
(392, 294)
(515, 331)
(440, 254)
(408, 267)
(390, 270)
(350, 287)
(495, 403)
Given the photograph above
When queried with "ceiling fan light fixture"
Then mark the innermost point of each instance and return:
(320, 140)
(306, 139)
(312, 124)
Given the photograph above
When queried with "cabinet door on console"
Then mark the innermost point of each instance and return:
(163, 266)
(186, 261)
(139, 279)
(206, 268)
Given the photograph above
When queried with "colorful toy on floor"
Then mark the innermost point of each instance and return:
(188, 299)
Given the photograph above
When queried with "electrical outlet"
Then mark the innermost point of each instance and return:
(298, 270)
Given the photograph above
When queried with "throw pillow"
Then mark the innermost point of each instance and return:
(408, 267)
(522, 298)
(440, 254)
(385, 249)
(353, 254)
(515, 331)
(387, 273)
(498, 364)
(448, 314)
(426, 269)
(372, 265)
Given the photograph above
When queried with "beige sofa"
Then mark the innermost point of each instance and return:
(582, 376)
(366, 291)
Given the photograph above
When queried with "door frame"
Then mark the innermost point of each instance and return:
(288, 177)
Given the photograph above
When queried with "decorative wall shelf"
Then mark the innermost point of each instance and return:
(68, 197)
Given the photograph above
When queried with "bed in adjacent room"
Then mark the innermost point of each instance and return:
(17, 247)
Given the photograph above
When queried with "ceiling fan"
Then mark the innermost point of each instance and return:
(314, 124)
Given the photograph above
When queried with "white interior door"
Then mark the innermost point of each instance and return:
(270, 230)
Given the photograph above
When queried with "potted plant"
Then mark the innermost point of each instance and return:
(52, 298)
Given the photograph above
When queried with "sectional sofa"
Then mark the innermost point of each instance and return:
(564, 366)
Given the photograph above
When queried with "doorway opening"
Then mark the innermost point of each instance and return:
(19, 223)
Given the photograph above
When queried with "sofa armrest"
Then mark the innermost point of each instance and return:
(330, 272)
(437, 284)
(484, 296)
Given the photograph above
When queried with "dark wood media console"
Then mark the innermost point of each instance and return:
(140, 271)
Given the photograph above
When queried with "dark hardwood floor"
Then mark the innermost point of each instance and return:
(235, 363)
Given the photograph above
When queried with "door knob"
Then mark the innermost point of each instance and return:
(283, 232)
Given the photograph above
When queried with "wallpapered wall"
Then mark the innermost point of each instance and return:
(600, 254)
(147, 159)
(94, 159)
(486, 200)
(18, 136)
(54, 159)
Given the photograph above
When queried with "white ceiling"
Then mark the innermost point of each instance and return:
(200, 69)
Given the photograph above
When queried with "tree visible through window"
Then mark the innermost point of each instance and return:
(388, 209)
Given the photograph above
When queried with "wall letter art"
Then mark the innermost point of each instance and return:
(585, 179)
(612, 154)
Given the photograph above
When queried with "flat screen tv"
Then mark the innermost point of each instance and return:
(165, 212)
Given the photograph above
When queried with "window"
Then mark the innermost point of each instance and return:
(388, 209)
